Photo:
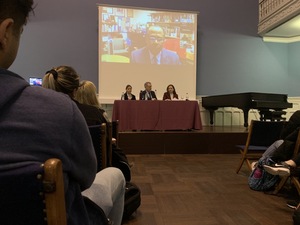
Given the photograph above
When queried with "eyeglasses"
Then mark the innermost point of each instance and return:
(158, 39)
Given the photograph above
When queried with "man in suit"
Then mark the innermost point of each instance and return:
(153, 52)
(147, 94)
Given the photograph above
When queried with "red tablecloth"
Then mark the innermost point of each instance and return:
(157, 115)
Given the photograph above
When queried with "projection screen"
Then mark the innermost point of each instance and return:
(124, 58)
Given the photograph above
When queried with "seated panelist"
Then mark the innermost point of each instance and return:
(148, 94)
(170, 94)
(128, 95)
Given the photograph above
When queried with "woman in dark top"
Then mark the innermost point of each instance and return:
(128, 95)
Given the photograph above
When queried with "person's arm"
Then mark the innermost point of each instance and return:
(142, 95)
(153, 95)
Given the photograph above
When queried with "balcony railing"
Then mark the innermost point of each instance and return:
(275, 12)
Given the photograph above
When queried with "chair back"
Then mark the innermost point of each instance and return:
(32, 193)
(109, 143)
(115, 131)
(261, 135)
(264, 133)
(99, 136)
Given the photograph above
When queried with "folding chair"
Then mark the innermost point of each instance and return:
(32, 193)
(99, 136)
(294, 179)
(261, 135)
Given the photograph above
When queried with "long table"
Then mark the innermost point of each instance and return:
(157, 115)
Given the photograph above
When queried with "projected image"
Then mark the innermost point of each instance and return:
(147, 37)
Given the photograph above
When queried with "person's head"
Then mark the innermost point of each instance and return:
(171, 89)
(62, 79)
(148, 86)
(87, 94)
(13, 16)
(155, 39)
(128, 89)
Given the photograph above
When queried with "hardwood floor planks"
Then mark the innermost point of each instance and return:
(201, 189)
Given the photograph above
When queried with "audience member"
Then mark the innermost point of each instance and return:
(170, 94)
(272, 161)
(86, 94)
(107, 191)
(154, 52)
(128, 95)
(40, 124)
(283, 149)
(147, 94)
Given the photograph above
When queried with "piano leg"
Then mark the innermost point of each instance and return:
(211, 116)
(246, 111)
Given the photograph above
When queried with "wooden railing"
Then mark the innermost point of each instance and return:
(275, 12)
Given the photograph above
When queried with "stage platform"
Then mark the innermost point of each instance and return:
(209, 140)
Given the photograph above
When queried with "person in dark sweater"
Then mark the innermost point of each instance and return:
(37, 123)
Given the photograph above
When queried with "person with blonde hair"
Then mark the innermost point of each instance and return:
(86, 94)
(108, 188)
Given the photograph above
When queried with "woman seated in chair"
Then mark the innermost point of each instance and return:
(108, 188)
(86, 94)
(170, 94)
(283, 149)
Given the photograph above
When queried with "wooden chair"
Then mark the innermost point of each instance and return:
(109, 143)
(293, 179)
(261, 135)
(115, 131)
(99, 137)
(32, 193)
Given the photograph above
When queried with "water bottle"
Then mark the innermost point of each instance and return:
(187, 96)
(122, 96)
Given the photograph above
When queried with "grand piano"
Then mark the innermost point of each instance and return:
(270, 106)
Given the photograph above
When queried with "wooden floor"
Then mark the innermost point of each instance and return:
(201, 189)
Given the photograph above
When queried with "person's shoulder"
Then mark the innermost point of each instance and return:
(47, 95)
